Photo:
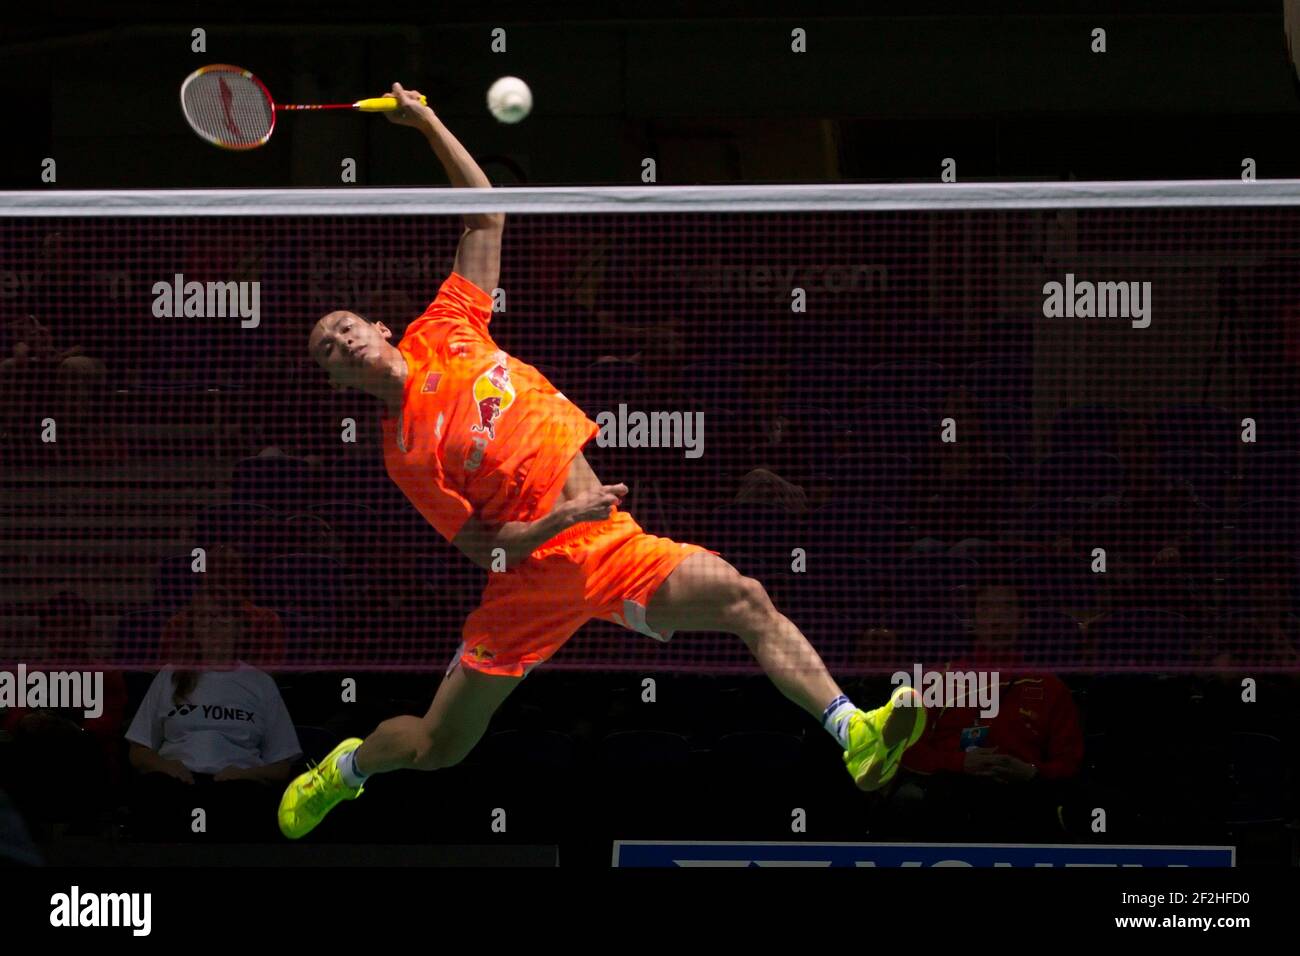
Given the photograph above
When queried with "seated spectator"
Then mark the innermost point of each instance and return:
(39, 380)
(767, 487)
(16, 847)
(1004, 776)
(33, 348)
(1147, 527)
(63, 766)
(1262, 636)
(213, 733)
(663, 356)
(223, 604)
(764, 390)
(1268, 631)
(958, 486)
(876, 653)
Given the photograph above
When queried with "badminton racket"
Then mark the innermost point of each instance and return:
(229, 107)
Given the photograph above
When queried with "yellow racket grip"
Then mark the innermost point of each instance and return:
(381, 104)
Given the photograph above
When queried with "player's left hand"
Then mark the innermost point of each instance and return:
(596, 505)
(410, 111)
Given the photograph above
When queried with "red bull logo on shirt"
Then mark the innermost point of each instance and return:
(493, 394)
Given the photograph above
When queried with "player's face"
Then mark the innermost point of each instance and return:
(350, 349)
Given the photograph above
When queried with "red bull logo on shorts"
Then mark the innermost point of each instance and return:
(493, 394)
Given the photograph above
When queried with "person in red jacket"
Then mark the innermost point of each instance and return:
(1004, 773)
(62, 766)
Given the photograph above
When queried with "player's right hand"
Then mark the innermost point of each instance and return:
(410, 111)
(596, 505)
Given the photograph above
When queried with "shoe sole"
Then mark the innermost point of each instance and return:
(898, 728)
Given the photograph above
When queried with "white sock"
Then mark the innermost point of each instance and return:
(836, 719)
(347, 764)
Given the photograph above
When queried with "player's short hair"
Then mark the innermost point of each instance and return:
(324, 315)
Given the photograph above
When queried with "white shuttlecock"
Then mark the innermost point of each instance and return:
(510, 99)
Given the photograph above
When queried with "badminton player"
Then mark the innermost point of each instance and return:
(491, 455)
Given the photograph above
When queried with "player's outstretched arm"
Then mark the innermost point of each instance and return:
(478, 257)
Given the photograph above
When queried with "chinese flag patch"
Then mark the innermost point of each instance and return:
(431, 382)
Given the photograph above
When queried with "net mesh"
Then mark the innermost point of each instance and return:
(891, 427)
(226, 107)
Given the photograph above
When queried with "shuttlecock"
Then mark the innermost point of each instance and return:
(510, 99)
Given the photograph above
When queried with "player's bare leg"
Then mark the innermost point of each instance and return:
(705, 593)
(461, 711)
(456, 721)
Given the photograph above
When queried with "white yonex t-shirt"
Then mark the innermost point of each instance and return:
(232, 718)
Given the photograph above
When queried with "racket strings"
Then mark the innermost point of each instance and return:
(228, 108)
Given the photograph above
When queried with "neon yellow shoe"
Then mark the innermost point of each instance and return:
(878, 738)
(315, 793)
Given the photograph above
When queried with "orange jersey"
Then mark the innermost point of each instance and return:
(479, 432)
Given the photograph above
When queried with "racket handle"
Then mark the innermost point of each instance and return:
(381, 104)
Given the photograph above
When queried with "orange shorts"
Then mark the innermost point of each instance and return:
(606, 569)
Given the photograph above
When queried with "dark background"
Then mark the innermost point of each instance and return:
(885, 91)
